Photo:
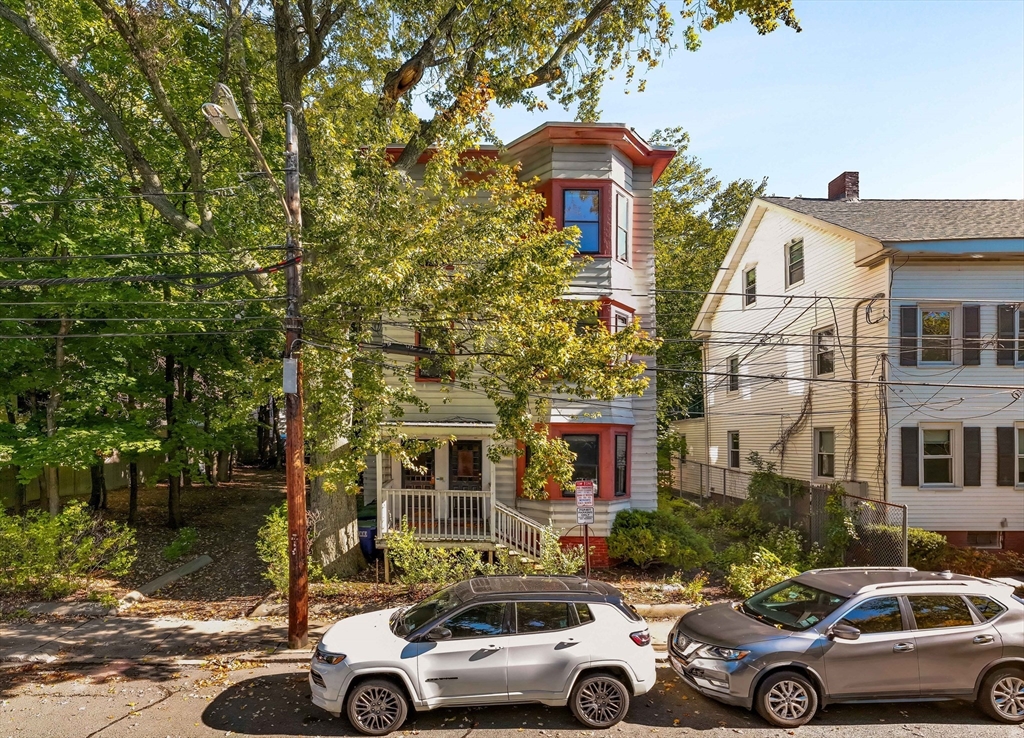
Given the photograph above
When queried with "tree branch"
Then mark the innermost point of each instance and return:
(152, 187)
(551, 70)
(195, 164)
(400, 81)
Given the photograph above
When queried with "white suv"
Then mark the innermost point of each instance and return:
(488, 641)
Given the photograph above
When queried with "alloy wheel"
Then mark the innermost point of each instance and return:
(1008, 696)
(600, 701)
(788, 700)
(377, 708)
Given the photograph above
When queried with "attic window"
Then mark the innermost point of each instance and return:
(795, 263)
(750, 286)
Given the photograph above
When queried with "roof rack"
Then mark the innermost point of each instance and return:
(862, 568)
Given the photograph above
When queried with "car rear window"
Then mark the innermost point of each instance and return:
(583, 612)
(986, 606)
(939, 611)
(537, 617)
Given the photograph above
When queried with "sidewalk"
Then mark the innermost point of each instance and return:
(163, 640)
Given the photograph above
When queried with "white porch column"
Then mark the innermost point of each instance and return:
(491, 480)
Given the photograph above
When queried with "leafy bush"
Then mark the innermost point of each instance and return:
(975, 562)
(643, 538)
(51, 556)
(770, 491)
(557, 560)
(764, 570)
(786, 543)
(692, 590)
(418, 564)
(272, 548)
(923, 546)
(182, 544)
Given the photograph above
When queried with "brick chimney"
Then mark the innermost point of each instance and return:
(845, 187)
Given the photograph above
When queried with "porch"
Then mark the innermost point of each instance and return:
(451, 496)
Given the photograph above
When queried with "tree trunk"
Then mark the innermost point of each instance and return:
(336, 546)
(261, 435)
(223, 465)
(19, 493)
(231, 464)
(133, 492)
(185, 392)
(174, 519)
(275, 436)
(98, 495)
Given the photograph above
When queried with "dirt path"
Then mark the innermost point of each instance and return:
(227, 519)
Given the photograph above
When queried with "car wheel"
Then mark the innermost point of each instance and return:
(376, 707)
(599, 700)
(787, 699)
(1002, 695)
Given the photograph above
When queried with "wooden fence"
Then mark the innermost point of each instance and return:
(73, 482)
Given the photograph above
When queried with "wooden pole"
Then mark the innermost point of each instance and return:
(295, 473)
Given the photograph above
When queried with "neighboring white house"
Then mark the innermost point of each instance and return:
(598, 177)
(877, 343)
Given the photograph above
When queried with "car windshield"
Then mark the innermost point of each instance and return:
(406, 621)
(792, 605)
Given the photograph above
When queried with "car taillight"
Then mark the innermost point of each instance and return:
(641, 637)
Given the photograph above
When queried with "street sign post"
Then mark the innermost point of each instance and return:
(585, 489)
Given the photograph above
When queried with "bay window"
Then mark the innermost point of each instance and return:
(621, 468)
(587, 450)
(621, 227)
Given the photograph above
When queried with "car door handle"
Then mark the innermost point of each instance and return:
(903, 647)
(983, 639)
(492, 648)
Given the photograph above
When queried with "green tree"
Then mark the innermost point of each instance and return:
(128, 79)
(695, 221)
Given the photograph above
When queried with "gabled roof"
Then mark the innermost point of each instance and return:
(902, 221)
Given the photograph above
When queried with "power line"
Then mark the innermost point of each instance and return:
(146, 255)
(236, 301)
(219, 277)
(38, 336)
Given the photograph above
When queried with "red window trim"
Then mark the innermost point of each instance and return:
(428, 379)
(606, 459)
(553, 190)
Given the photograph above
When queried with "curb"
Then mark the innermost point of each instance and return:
(662, 612)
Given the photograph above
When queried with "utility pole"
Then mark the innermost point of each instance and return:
(295, 474)
(294, 450)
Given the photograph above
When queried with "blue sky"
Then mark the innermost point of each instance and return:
(924, 99)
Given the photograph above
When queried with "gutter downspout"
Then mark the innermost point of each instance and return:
(707, 420)
(854, 394)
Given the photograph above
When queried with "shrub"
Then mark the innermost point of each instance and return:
(182, 544)
(643, 538)
(977, 562)
(52, 555)
(691, 591)
(272, 548)
(786, 543)
(764, 570)
(923, 546)
(557, 560)
(418, 564)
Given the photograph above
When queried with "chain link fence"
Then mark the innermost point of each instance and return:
(879, 529)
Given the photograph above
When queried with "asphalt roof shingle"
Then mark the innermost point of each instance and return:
(915, 220)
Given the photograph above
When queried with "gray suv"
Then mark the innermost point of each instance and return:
(851, 635)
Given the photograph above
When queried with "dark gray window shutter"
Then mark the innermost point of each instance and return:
(1004, 456)
(909, 475)
(972, 457)
(972, 335)
(908, 336)
(1004, 330)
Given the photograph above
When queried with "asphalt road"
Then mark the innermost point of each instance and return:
(127, 699)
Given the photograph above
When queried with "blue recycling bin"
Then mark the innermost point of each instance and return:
(368, 540)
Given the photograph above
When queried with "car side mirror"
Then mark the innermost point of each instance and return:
(438, 634)
(843, 631)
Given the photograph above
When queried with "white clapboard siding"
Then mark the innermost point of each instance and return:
(765, 411)
(988, 507)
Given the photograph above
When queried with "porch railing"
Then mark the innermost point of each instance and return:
(518, 532)
(436, 515)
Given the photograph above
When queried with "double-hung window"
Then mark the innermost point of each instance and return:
(824, 351)
(825, 453)
(621, 227)
(621, 464)
(582, 209)
(734, 373)
(939, 451)
(794, 262)
(750, 286)
(734, 449)
(586, 448)
(936, 331)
